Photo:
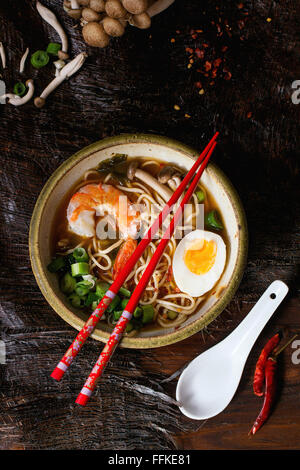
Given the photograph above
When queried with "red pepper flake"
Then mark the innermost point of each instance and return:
(249, 115)
(198, 85)
(217, 62)
(207, 66)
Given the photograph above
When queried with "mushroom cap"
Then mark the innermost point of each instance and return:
(39, 102)
(142, 21)
(113, 27)
(135, 6)
(90, 15)
(97, 5)
(94, 35)
(29, 82)
(166, 173)
(115, 9)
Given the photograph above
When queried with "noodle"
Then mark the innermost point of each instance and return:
(161, 290)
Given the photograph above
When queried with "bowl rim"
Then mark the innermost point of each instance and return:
(137, 342)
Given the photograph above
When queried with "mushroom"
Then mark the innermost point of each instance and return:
(135, 6)
(67, 71)
(17, 100)
(94, 35)
(97, 5)
(113, 27)
(166, 173)
(23, 60)
(2, 55)
(50, 18)
(90, 15)
(148, 179)
(142, 21)
(115, 9)
(159, 6)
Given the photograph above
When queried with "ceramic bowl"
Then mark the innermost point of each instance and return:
(169, 151)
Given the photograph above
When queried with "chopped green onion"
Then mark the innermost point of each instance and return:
(91, 298)
(124, 302)
(101, 288)
(78, 269)
(117, 314)
(39, 59)
(114, 303)
(80, 254)
(148, 313)
(125, 292)
(172, 315)
(200, 195)
(212, 220)
(129, 327)
(53, 48)
(81, 290)
(67, 284)
(138, 312)
(56, 264)
(19, 89)
(75, 300)
(95, 304)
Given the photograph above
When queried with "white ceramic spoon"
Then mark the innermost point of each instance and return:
(210, 381)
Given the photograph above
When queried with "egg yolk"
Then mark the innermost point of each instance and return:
(200, 256)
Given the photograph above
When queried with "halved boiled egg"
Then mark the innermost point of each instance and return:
(198, 262)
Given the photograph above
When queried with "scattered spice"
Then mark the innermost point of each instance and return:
(208, 48)
(269, 20)
(172, 40)
(176, 107)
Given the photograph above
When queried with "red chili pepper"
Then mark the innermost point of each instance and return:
(259, 374)
(270, 374)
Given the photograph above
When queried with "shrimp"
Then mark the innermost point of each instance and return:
(97, 199)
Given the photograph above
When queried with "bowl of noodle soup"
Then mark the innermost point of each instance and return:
(146, 155)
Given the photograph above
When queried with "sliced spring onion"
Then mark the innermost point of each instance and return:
(39, 59)
(212, 220)
(117, 314)
(172, 315)
(75, 300)
(94, 306)
(19, 89)
(67, 284)
(124, 302)
(138, 312)
(79, 269)
(80, 254)
(114, 304)
(200, 195)
(148, 314)
(101, 288)
(125, 292)
(91, 298)
(57, 264)
(53, 48)
(82, 291)
(129, 327)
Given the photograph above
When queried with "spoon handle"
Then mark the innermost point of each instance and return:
(244, 336)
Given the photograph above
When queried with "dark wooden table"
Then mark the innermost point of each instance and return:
(132, 86)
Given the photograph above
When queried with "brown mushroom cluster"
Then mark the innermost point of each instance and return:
(103, 19)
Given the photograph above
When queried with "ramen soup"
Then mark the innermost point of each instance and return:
(100, 223)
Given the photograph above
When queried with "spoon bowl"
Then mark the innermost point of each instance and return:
(208, 384)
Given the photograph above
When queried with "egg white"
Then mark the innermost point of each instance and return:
(198, 284)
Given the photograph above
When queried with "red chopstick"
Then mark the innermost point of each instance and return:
(126, 316)
(93, 320)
